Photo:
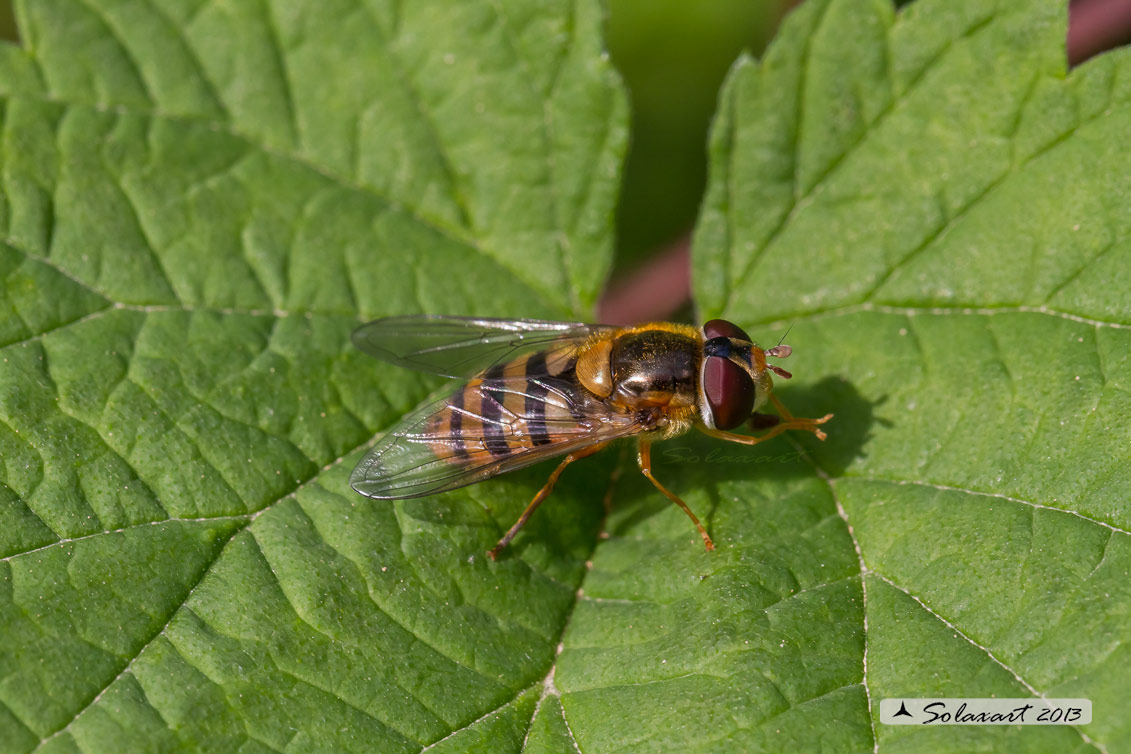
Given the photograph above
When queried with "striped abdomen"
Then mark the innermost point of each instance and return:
(531, 401)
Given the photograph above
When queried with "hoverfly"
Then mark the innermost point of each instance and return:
(541, 390)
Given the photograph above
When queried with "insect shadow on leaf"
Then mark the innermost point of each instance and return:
(695, 461)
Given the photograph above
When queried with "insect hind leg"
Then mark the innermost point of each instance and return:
(543, 493)
(644, 459)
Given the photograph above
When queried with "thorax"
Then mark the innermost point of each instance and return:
(648, 367)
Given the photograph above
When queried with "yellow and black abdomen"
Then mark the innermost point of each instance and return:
(521, 405)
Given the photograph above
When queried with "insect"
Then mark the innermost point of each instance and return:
(539, 390)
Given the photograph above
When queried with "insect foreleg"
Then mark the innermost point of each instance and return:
(789, 421)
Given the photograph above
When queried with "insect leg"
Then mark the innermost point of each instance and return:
(790, 422)
(543, 493)
(644, 458)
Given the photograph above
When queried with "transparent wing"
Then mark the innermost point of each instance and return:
(517, 414)
(461, 346)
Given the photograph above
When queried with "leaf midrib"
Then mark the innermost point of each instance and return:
(446, 230)
(868, 130)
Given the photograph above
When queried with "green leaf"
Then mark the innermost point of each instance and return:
(938, 209)
(199, 204)
(201, 201)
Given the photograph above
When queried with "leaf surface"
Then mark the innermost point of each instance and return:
(199, 203)
(936, 208)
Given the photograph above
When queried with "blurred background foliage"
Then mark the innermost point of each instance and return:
(7, 22)
(673, 55)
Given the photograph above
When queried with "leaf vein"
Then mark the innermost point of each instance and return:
(435, 224)
(429, 126)
(284, 73)
(197, 64)
(157, 522)
(911, 311)
(963, 211)
(863, 575)
(204, 573)
(61, 326)
(120, 41)
(548, 151)
(985, 650)
(481, 718)
(129, 664)
(996, 495)
(384, 724)
(870, 128)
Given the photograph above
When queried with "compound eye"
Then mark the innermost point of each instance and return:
(729, 391)
(717, 328)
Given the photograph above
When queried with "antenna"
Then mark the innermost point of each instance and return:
(785, 334)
